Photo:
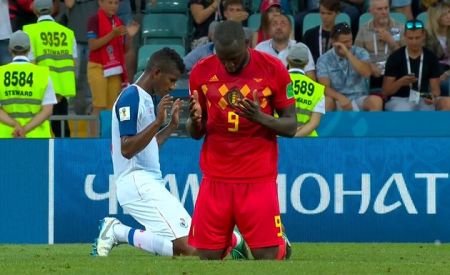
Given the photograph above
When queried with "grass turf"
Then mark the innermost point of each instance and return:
(307, 258)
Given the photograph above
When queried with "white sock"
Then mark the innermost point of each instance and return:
(121, 232)
(150, 242)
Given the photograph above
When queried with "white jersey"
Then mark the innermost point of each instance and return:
(132, 112)
(140, 188)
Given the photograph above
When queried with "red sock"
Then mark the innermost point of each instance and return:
(232, 245)
(281, 251)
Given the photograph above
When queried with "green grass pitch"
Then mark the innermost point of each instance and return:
(307, 258)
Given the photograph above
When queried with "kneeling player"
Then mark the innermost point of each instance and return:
(136, 137)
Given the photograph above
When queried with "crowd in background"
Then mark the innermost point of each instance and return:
(363, 66)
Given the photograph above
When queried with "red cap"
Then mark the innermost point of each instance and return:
(267, 4)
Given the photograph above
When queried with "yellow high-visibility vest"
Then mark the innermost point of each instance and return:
(52, 45)
(22, 89)
(307, 94)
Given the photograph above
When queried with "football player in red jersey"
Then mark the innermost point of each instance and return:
(234, 95)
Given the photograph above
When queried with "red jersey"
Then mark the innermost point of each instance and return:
(236, 148)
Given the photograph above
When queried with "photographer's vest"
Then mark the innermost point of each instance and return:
(52, 45)
(307, 94)
(22, 89)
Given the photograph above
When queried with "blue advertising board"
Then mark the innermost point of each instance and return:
(24, 191)
(330, 189)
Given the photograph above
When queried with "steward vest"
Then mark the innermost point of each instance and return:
(22, 89)
(307, 94)
(52, 45)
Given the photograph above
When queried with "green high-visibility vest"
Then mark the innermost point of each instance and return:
(307, 94)
(22, 89)
(52, 45)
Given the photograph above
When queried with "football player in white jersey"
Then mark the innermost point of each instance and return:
(136, 137)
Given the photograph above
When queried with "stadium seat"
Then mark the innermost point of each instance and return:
(145, 51)
(163, 28)
(312, 20)
(254, 7)
(397, 16)
(168, 6)
(254, 21)
(423, 16)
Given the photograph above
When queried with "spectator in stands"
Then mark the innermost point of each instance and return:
(108, 41)
(56, 49)
(79, 11)
(24, 116)
(205, 50)
(279, 43)
(235, 10)
(403, 6)
(344, 71)
(21, 13)
(201, 51)
(126, 15)
(269, 8)
(318, 38)
(412, 75)
(380, 37)
(353, 8)
(309, 95)
(5, 33)
(438, 39)
(203, 13)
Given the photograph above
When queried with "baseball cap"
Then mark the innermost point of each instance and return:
(267, 4)
(19, 41)
(43, 6)
(298, 53)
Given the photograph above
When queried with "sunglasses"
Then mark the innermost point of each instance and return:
(414, 25)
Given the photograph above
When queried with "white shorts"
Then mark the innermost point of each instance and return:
(357, 104)
(403, 104)
(153, 206)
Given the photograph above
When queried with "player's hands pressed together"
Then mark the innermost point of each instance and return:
(176, 108)
(195, 110)
(164, 105)
(250, 109)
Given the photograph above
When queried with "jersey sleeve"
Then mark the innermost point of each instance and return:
(127, 110)
(282, 91)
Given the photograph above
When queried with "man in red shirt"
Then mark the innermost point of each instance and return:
(234, 95)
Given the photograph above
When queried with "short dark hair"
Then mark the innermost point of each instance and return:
(227, 3)
(340, 28)
(229, 33)
(166, 59)
(332, 5)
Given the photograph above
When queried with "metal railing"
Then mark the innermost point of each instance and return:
(75, 121)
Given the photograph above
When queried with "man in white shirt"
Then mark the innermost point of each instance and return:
(278, 45)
